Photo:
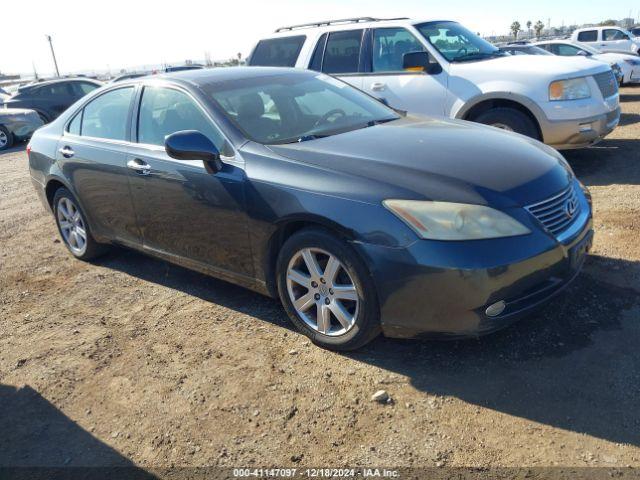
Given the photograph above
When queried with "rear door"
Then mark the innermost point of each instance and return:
(591, 37)
(416, 92)
(93, 154)
(184, 211)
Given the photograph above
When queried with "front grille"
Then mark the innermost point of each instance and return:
(607, 83)
(558, 212)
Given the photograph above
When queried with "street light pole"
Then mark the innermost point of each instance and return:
(53, 54)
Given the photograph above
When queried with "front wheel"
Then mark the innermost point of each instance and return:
(509, 119)
(73, 227)
(327, 291)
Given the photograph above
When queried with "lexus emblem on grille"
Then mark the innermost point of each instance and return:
(570, 207)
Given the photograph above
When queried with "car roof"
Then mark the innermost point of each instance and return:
(211, 76)
(44, 83)
(349, 24)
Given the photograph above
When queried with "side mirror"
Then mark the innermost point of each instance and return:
(582, 53)
(193, 145)
(420, 62)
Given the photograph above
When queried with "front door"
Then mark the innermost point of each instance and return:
(616, 40)
(184, 211)
(416, 92)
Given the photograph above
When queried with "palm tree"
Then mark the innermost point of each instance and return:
(515, 28)
(529, 27)
(538, 27)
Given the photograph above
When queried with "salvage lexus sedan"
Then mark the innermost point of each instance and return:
(294, 184)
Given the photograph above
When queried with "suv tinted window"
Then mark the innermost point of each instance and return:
(277, 52)
(342, 54)
(588, 36)
(106, 116)
(60, 89)
(389, 47)
(612, 35)
(316, 59)
(164, 111)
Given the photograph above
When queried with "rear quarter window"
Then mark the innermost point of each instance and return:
(588, 36)
(277, 52)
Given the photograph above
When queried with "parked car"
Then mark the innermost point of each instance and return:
(182, 68)
(440, 68)
(294, 184)
(17, 125)
(523, 49)
(608, 39)
(627, 65)
(51, 98)
(635, 31)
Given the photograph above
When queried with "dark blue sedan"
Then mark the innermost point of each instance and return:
(361, 219)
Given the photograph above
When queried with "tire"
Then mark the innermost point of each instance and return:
(509, 119)
(352, 294)
(6, 138)
(65, 209)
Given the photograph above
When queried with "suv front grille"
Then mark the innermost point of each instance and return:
(607, 83)
(558, 212)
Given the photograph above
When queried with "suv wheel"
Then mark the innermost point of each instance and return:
(6, 138)
(73, 227)
(326, 290)
(509, 119)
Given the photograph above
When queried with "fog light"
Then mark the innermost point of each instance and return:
(585, 127)
(496, 309)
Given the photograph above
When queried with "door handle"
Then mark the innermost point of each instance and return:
(377, 86)
(139, 166)
(66, 152)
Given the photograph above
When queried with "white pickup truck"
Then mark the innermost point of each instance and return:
(608, 39)
(440, 68)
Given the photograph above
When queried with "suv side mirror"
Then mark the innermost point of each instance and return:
(420, 62)
(193, 145)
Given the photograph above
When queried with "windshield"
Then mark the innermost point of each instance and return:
(456, 43)
(294, 107)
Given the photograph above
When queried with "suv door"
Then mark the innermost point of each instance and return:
(93, 154)
(340, 53)
(413, 91)
(184, 211)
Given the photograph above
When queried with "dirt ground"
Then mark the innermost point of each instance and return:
(133, 361)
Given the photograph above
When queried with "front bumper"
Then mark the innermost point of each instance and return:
(579, 133)
(444, 288)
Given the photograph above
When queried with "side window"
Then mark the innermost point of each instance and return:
(82, 88)
(566, 50)
(342, 54)
(613, 35)
(106, 116)
(316, 59)
(59, 89)
(277, 52)
(164, 111)
(74, 126)
(588, 36)
(389, 47)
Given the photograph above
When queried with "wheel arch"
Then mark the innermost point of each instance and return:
(287, 227)
(482, 103)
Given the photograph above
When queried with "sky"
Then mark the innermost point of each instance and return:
(89, 35)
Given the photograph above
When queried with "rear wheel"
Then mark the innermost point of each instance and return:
(509, 119)
(326, 290)
(73, 227)
(6, 138)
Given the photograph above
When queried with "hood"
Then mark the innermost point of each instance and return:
(546, 66)
(615, 57)
(445, 160)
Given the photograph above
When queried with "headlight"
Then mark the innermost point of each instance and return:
(573, 89)
(455, 221)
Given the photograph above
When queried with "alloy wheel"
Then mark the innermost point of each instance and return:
(4, 140)
(72, 225)
(503, 126)
(322, 292)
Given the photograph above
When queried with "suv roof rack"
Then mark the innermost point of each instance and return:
(338, 22)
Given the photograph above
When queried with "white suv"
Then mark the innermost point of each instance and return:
(440, 68)
(608, 39)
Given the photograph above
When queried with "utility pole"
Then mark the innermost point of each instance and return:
(53, 54)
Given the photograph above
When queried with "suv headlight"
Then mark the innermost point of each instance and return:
(573, 89)
(455, 221)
